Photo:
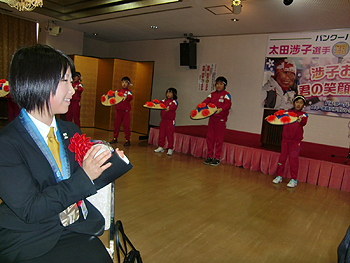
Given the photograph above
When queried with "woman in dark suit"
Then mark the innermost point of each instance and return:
(44, 216)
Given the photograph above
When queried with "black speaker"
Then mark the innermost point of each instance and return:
(188, 55)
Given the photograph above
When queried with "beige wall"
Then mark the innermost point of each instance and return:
(241, 60)
(69, 41)
(95, 48)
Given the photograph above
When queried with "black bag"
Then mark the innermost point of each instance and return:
(116, 170)
(124, 248)
(270, 100)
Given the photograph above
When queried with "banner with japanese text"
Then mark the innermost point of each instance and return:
(207, 75)
(313, 64)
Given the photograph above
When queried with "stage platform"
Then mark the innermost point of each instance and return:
(243, 149)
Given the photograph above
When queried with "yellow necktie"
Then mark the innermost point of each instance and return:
(70, 214)
(54, 147)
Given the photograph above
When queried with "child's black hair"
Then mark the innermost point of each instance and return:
(297, 97)
(173, 91)
(77, 74)
(221, 79)
(127, 79)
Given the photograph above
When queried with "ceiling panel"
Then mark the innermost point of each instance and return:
(132, 20)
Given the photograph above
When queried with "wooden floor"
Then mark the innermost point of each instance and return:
(176, 209)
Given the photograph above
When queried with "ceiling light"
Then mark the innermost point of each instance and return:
(236, 2)
(236, 6)
(25, 5)
(235, 19)
(154, 27)
(287, 2)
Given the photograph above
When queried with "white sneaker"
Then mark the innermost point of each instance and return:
(159, 150)
(277, 180)
(292, 183)
(170, 152)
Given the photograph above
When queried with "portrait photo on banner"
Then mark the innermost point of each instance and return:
(315, 65)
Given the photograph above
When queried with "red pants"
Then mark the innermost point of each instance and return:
(215, 137)
(166, 129)
(73, 112)
(290, 149)
(122, 116)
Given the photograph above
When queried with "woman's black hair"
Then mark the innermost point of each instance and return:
(173, 91)
(34, 75)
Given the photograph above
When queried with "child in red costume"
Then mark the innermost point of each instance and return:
(291, 137)
(123, 113)
(217, 122)
(73, 112)
(167, 124)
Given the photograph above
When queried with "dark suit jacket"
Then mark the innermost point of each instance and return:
(32, 199)
(344, 249)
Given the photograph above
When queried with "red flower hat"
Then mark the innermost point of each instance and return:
(155, 105)
(282, 117)
(112, 98)
(4, 88)
(193, 113)
(203, 110)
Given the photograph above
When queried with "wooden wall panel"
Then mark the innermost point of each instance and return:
(88, 67)
(104, 84)
(101, 75)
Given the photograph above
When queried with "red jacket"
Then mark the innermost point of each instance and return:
(125, 105)
(294, 132)
(221, 99)
(78, 87)
(171, 104)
